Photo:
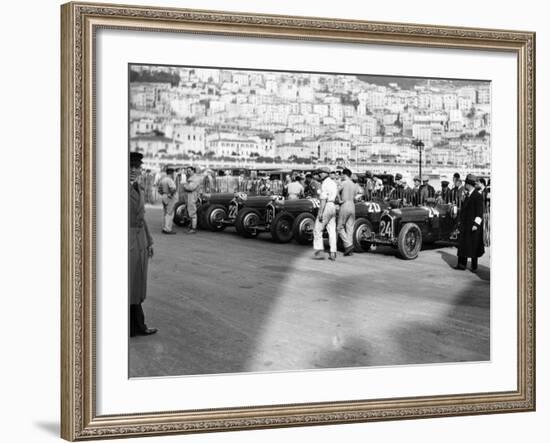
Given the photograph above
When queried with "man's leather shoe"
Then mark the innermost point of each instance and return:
(348, 251)
(149, 331)
(332, 256)
(168, 232)
(460, 268)
(319, 255)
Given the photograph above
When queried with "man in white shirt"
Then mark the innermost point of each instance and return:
(326, 217)
(167, 190)
(295, 189)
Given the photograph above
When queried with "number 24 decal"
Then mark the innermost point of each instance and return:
(385, 228)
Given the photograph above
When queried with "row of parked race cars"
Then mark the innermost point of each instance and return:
(377, 222)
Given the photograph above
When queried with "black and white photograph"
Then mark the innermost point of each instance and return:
(297, 221)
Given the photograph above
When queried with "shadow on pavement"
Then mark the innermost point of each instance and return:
(460, 332)
(483, 272)
(446, 339)
(206, 299)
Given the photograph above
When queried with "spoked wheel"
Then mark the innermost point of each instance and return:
(409, 241)
(281, 228)
(247, 221)
(303, 228)
(362, 232)
(214, 217)
(180, 214)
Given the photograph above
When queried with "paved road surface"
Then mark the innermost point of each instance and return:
(227, 304)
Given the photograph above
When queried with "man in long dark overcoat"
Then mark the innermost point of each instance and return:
(140, 243)
(470, 239)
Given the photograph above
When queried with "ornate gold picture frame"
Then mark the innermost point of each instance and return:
(80, 22)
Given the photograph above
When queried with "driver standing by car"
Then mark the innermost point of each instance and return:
(326, 217)
(470, 239)
(346, 216)
(192, 189)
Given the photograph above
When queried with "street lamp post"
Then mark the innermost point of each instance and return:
(418, 144)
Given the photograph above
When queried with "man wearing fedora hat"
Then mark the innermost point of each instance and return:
(457, 191)
(470, 239)
(326, 217)
(141, 250)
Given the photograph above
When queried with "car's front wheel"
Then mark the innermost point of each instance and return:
(246, 222)
(214, 216)
(362, 233)
(180, 214)
(281, 228)
(303, 228)
(409, 241)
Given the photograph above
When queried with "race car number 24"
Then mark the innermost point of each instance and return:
(386, 228)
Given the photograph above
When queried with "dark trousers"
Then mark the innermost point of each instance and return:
(463, 261)
(137, 320)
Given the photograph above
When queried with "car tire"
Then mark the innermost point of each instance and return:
(362, 228)
(180, 214)
(303, 228)
(281, 228)
(409, 241)
(246, 217)
(213, 215)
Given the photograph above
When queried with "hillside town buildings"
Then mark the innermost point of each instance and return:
(318, 118)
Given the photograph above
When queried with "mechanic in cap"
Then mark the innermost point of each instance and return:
(141, 250)
(326, 217)
(470, 239)
(398, 192)
(445, 193)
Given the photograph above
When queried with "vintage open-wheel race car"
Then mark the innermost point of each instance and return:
(367, 220)
(214, 211)
(251, 215)
(275, 215)
(408, 228)
(221, 210)
(262, 214)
